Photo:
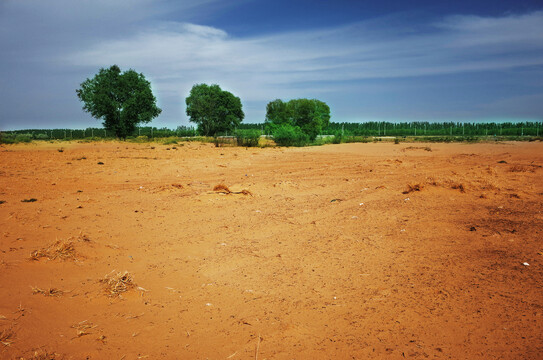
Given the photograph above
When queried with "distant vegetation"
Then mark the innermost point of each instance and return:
(289, 136)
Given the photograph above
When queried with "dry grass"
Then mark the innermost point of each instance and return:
(457, 186)
(6, 336)
(524, 168)
(83, 328)
(118, 283)
(425, 148)
(223, 189)
(48, 292)
(413, 187)
(60, 249)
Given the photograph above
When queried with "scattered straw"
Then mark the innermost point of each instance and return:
(43, 355)
(83, 328)
(118, 283)
(6, 337)
(60, 249)
(102, 338)
(48, 292)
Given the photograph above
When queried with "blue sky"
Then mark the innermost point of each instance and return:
(369, 60)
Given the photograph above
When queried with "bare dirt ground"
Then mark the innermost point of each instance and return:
(341, 251)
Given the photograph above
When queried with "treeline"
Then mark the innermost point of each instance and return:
(345, 129)
(436, 129)
(101, 133)
(420, 128)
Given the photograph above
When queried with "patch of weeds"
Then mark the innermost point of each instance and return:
(170, 142)
(248, 138)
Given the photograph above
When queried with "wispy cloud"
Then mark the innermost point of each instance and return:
(177, 55)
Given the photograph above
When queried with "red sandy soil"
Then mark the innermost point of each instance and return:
(327, 258)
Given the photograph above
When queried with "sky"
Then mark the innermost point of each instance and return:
(384, 60)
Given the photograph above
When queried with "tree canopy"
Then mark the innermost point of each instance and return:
(310, 115)
(121, 100)
(214, 110)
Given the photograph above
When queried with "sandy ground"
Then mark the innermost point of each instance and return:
(351, 251)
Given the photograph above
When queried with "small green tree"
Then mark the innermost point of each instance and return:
(214, 110)
(121, 100)
(311, 116)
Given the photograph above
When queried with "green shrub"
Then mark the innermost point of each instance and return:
(41, 137)
(288, 135)
(337, 139)
(249, 138)
(170, 141)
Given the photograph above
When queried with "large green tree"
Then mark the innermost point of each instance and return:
(214, 110)
(120, 100)
(310, 115)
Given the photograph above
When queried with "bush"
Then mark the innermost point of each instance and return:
(170, 141)
(337, 139)
(26, 138)
(41, 137)
(288, 135)
(249, 138)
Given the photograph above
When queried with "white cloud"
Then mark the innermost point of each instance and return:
(178, 55)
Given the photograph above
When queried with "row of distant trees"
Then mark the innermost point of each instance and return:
(440, 129)
(124, 100)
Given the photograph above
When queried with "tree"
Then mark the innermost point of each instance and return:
(278, 112)
(213, 109)
(121, 100)
(311, 116)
